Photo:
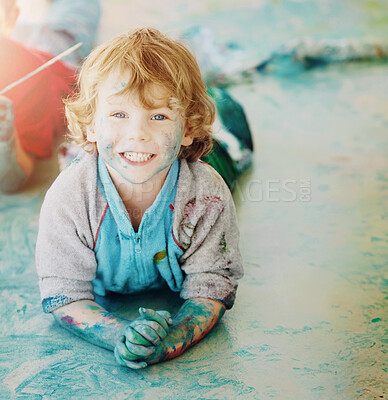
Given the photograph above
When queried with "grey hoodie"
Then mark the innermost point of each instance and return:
(204, 225)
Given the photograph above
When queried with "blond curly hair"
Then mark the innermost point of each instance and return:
(152, 58)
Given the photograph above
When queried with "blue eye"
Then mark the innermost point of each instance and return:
(159, 117)
(119, 115)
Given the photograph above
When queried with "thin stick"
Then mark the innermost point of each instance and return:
(42, 67)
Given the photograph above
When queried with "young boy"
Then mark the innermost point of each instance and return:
(31, 114)
(137, 211)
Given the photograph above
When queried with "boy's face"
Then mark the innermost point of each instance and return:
(137, 144)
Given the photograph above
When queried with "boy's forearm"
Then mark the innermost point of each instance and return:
(193, 322)
(88, 320)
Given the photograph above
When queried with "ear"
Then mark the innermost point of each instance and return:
(91, 134)
(187, 139)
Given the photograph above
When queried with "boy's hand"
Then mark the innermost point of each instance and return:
(141, 336)
(7, 117)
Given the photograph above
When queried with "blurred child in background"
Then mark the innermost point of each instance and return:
(31, 114)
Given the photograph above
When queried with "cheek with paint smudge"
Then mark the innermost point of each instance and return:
(170, 139)
(171, 144)
(105, 140)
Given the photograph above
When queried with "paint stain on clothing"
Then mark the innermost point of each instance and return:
(222, 244)
(160, 256)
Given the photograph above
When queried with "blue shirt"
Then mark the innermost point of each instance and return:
(129, 261)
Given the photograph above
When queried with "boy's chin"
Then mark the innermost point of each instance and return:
(125, 177)
(142, 180)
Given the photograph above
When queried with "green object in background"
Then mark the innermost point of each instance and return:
(233, 145)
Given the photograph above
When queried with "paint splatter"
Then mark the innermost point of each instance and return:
(160, 256)
(70, 320)
(222, 244)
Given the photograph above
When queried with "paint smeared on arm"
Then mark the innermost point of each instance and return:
(91, 322)
(193, 322)
(130, 341)
(136, 345)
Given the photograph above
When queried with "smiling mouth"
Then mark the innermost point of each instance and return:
(135, 157)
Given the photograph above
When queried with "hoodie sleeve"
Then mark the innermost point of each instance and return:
(65, 260)
(209, 234)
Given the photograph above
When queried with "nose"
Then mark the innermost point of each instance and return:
(138, 129)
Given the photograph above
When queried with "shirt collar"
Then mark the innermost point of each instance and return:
(164, 198)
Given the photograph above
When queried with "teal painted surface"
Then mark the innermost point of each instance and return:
(310, 321)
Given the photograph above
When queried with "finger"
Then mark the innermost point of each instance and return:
(152, 324)
(147, 332)
(152, 315)
(136, 365)
(166, 315)
(124, 353)
(136, 338)
(138, 350)
(129, 364)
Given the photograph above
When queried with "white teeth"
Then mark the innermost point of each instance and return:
(137, 157)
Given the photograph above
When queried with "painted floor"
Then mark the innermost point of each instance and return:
(310, 320)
